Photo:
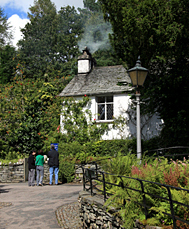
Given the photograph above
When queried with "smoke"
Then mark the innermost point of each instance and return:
(96, 37)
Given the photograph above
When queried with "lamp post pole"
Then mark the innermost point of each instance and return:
(138, 75)
(139, 148)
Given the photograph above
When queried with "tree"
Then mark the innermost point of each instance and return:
(5, 34)
(6, 51)
(39, 37)
(69, 30)
(96, 34)
(30, 112)
(49, 44)
(92, 5)
(158, 31)
(7, 63)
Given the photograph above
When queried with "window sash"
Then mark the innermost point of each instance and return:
(105, 108)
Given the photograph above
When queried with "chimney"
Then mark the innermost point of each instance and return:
(85, 62)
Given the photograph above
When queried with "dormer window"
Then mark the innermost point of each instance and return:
(105, 108)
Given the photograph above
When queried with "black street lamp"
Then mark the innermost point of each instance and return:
(138, 75)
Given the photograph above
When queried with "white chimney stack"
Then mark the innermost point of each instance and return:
(85, 62)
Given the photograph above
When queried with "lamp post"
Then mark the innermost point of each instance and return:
(138, 75)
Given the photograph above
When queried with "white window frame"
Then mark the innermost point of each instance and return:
(105, 103)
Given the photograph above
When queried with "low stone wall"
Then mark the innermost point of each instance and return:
(12, 172)
(94, 214)
(18, 172)
(79, 171)
(46, 173)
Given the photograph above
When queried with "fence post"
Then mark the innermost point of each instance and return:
(104, 186)
(26, 171)
(83, 178)
(96, 170)
(91, 184)
(144, 198)
(122, 186)
(171, 207)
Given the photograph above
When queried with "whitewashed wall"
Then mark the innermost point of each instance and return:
(150, 126)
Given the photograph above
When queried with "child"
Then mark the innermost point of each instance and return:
(31, 167)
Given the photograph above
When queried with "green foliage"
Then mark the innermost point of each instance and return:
(110, 148)
(92, 5)
(4, 29)
(30, 111)
(122, 199)
(31, 114)
(77, 121)
(10, 156)
(70, 149)
(7, 63)
(96, 34)
(181, 211)
(160, 171)
(157, 31)
(120, 165)
(49, 44)
(106, 57)
(66, 170)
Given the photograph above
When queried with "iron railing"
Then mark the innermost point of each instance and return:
(175, 152)
(95, 175)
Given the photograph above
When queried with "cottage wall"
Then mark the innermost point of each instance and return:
(151, 126)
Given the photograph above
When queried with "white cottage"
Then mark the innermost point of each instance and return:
(110, 100)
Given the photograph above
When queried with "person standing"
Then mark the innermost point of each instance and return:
(31, 168)
(53, 162)
(39, 167)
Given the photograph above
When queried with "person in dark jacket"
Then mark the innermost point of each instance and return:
(31, 168)
(53, 162)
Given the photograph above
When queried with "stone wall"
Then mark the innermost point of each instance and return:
(18, 172)
(12, 172)
(46, 173)
(94, 214)
(79, 171)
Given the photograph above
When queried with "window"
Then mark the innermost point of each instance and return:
(105, 107)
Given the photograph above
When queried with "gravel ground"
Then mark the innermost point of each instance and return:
(5, 204)
(68, 216)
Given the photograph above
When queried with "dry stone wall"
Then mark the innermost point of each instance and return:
(94, 214)
(18, 172)
(12, 173)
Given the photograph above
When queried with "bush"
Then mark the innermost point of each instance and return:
(175, 174)
(70, 149)
(98, 148)
(11, 155)
(66, 171)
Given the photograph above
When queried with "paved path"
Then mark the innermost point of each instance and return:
(34, 207)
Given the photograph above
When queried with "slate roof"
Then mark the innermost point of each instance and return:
(102, 80)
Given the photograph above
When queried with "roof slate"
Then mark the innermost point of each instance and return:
(102, 80)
